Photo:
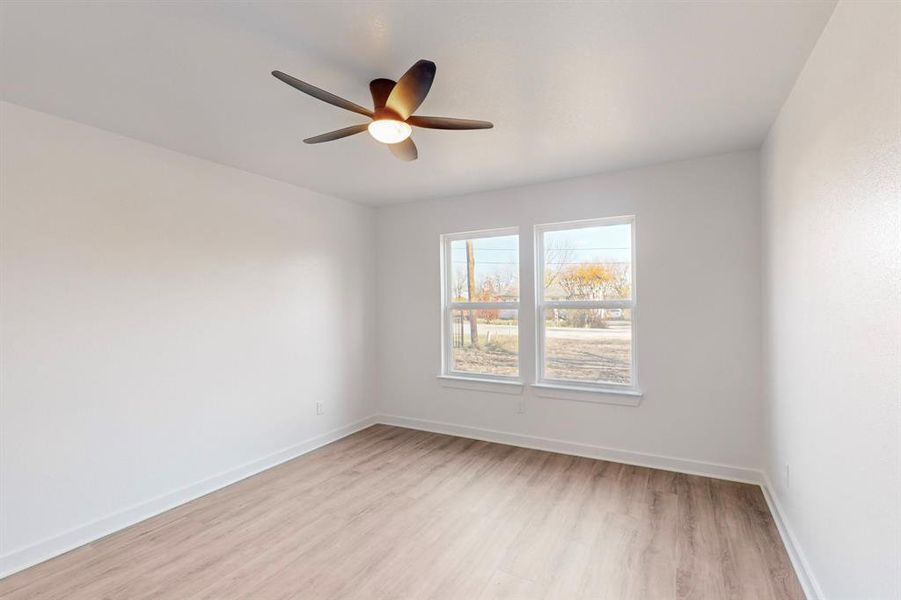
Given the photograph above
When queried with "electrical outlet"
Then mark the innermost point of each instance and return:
(787, 476)
(320, 409)
(520, 406)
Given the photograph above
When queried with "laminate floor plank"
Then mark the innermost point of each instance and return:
(396, 514)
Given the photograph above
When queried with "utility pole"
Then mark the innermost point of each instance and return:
(471, 284)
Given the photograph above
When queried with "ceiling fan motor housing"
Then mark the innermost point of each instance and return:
(386, 113)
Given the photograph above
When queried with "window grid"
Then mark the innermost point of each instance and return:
(542, 305)
(450, 305)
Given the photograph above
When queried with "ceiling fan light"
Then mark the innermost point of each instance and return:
(389, 131)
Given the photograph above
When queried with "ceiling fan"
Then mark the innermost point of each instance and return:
(393, 106)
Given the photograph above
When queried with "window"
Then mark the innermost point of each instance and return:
(481, 304)
(586, 304)
(581, 315)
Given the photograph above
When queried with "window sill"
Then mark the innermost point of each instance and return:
(498, 386)
(621, 397)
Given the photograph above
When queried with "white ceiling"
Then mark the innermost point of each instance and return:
(572, 88)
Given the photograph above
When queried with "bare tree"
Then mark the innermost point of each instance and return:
(556, 258)
(459, 284)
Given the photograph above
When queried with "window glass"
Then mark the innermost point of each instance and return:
(482, 304)
(590, 263)
(485, 269)
(485, 341)
(588, 345)
(586, 304)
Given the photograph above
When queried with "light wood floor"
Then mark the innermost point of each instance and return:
(392, 513)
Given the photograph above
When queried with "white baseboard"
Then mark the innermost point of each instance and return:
(23, 558)
(811, 586)
(666, 463)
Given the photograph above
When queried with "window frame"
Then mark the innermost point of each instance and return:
(448, 305)
(542, 305)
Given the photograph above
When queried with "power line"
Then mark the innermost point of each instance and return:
(606, 262)
(546, 249)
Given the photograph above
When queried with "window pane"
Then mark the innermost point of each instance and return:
(487, 344)
(588, 345)
(485, 269)
(591, 263)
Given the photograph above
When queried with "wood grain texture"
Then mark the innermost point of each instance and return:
(393, 513)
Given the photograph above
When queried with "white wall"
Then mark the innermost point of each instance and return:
(832, 238)
(698, 332)
(165, 320)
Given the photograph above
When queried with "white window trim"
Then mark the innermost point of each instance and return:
(481, 384)
(448, 374)
(591, 395)
(575, 389)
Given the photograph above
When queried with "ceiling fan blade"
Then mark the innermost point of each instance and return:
(336, 135)
(319, 94)
(448, 123)
(412, 88)
(380, 90)
(405, 150)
